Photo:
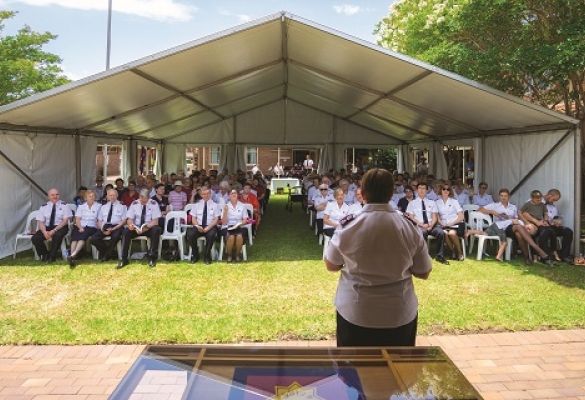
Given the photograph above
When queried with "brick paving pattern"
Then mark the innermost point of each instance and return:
(502, 366)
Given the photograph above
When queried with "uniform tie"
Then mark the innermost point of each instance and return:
(143, 215)
(53, 214)
(424, 212)
(110, 213)
(204, 219)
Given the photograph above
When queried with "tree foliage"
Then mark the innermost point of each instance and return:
(529, 48)
(25, 68)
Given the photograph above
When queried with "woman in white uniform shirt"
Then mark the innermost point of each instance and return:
(234, 213)
(334, 212)
(356, 208)
(378, 253)
(85, 225)
(451, 219)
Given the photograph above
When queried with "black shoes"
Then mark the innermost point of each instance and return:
(207, 260)
(194, 259)
(442, 260)
(152, 262)
(71, 261)
(122, 264)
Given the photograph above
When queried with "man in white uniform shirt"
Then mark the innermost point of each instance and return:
(142, 220)
(356, 208)
(53, 225)
(320, 202)
(111, 221)
(461, 195)
(482, 198)
(205, 215)
(308, 164)
(377, 253)
(424, 213)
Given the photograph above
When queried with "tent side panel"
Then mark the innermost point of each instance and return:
(17, 194)
(510, 158)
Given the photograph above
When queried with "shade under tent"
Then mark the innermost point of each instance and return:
(278, 81)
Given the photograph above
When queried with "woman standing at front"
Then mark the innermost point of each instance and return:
(377, 253)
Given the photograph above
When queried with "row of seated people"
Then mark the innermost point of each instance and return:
(105, 225)
(535, 226)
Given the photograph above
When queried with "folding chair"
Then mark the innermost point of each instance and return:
(27, 233)
(295, 195)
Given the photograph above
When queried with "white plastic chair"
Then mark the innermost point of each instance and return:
(189, 207)
(250, 211)
(478, 221)
(221, 250)
(326, 240)
(73, 208)
(469, 208)
(176, 234)
(27, 233)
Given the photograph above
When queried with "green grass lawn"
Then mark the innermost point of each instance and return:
(283, 292)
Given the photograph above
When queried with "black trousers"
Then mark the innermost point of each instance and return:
(193, 234)
(153, 234)
(567, 239)
(438, 233)
(328, 231)
(544, 237)
(38, 240)
(350, 335)
(106, 247)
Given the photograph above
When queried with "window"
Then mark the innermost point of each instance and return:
(214, 155)
(109, 162)
(251, 155)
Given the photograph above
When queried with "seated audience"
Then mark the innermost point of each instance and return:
(142, 220)
(110, 223)
(482, 198)
(334, 212)
(104, 198)
(423, 213)
(556, 222)
(320, 202)
(204, 220)
(80, 198)
(99, 188)
(163, 202)
(177, 197)
(461, 194)
(53, 224)
(85, 226)
(356, 208)
(234, 216)
(451, 220)
(405, 201)
(120, 187)
(535, 212)
(130, 195)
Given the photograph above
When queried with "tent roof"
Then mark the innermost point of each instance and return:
(258, 64)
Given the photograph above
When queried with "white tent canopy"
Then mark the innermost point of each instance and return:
(280, 80)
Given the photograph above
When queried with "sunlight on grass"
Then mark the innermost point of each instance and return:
(282, 292)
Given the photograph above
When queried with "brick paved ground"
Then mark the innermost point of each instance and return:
(523, 365)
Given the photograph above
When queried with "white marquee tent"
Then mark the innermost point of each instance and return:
(282, 81)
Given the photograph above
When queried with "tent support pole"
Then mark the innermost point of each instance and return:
(540, 162)
(77, 160)
(24, 174)
(577, 187)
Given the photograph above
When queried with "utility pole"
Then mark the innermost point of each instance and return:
(109, 39)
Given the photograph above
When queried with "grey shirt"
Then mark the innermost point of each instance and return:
(379, 251)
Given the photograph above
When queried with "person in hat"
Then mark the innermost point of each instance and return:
(177, 197)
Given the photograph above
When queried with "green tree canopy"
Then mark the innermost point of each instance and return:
(530, 48)
(25, 68)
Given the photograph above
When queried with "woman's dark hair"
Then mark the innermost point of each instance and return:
(377, 185)
(158, 185)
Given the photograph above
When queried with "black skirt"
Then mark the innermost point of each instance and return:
(86, 234)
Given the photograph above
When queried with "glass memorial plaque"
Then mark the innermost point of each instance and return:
(254, 373)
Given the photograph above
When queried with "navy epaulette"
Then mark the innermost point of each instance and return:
(346, 220)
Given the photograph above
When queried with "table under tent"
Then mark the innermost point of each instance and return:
(278, 81)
